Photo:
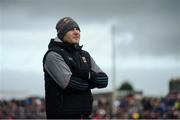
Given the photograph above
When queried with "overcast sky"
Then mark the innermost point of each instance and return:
(146, 34)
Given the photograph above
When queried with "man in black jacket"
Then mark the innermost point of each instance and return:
(70, 74)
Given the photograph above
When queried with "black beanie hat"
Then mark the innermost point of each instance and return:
(64, 25)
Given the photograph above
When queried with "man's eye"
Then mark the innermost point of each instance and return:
(77, 29)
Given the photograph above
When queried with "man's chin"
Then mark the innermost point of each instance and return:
(75, 41)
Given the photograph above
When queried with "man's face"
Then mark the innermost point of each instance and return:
(72, 36)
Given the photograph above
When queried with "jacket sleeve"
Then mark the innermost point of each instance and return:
(61, 73)
(99, 78)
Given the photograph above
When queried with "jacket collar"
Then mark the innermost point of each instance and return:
(56, 42)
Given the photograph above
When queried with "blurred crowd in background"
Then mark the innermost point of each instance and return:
(32, 107)
(128, 106)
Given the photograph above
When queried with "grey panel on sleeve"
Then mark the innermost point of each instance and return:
(95, 67)
(101, 79)
(57, 69)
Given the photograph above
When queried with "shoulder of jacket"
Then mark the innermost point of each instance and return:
(51, 54)
(85, 52)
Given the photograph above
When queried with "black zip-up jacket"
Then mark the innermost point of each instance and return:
(66, 92)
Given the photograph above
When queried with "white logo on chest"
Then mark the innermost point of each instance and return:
(70, 58)
(84, 59)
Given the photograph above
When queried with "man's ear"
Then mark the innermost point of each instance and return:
(59, 36)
